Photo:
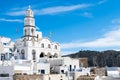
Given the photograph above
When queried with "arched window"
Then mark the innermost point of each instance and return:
(25, 32)
(55, 46)
(49, 55)
(37, 36)
(22, 54)
(42, 45)
(18, 51)
(32, 30)
(55, 55)
(49, 46)
(33, 54)
(42, 55)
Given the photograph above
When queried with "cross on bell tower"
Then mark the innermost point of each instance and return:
(29, 24)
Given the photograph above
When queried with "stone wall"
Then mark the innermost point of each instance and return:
(27, 77)
(40, 77)
(99, 71)
(86, 78)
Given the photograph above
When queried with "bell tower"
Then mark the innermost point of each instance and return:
(29, 24)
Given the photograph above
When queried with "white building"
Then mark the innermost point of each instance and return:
(113, 72)
(6, 48)
(32, 46)
(6, 72)
(31, 53)
(35, 54)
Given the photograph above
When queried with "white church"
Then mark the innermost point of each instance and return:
(34, 54)
(32, 46)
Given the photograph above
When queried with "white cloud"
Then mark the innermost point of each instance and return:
(60, 9)
(109, 39)
(116, 21)
(67, 52)
(101, 2)
(87, 14)
(11, 20)
(49, 10)
(19, 8)
(54, 9)
(16, 13)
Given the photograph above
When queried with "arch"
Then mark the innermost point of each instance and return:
(25, 32)
(17, 50)
(22, 54)
(33, 55)
(37, 36)
(42, 54)
(32, 30)
(55, 55)
(55, 47)
(49, 55)
(49, 46)
(42, 45)
(24, 39)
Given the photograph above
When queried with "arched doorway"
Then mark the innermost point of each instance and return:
(42, 45)
(55, 55)
(42, 54)
(49, 55)
(22, 54)
(33, 54)
(55, 46)
(49, 46)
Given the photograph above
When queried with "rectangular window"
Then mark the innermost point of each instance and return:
(4, 75)
(42, 71)
(4, 43)
(2, 56)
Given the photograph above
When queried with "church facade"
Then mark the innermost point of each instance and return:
(32, 46)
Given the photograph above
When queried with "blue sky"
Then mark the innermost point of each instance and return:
(75, 24)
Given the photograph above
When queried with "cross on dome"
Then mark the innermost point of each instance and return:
(29, 7)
